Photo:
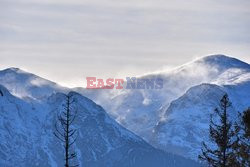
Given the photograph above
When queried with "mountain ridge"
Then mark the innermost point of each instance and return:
(128, 107)
(27, 136)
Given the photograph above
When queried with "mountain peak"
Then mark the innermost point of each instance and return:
(13, 69)
(223, 61)
(24, 84)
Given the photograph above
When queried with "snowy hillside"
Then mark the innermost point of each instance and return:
(26, 85)
(186, 121)
(26, 134)
(190, 91)
(145, 111)
(140, 110)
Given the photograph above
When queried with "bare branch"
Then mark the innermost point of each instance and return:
(67, 132)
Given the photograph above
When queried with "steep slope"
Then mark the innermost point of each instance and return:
(26, 134)
(17, 130)
(186, 121)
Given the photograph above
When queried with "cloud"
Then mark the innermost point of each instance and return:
(108, 37)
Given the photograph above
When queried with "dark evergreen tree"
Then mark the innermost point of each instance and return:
(65, 132)
(222, 135)
(242, 148)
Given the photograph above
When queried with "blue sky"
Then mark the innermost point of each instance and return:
(68, 40)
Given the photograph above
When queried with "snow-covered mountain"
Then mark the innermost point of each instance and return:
(173, 118)
(27, 85)
(140, 110)
(26, 135)
(145, 111)
(186, 121)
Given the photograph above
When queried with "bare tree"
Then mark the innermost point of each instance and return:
(65, 131)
